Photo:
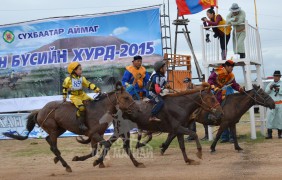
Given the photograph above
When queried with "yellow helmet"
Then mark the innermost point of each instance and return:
(72, 66)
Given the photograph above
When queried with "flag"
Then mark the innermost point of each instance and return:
(193, 6)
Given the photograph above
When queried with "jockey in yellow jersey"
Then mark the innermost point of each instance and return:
(75, 83)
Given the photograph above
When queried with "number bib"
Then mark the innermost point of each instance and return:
(76, 84)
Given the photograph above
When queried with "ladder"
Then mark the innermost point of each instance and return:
(166, 39)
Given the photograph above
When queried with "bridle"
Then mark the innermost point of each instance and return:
(129, 108)
(204, 105)
(258, 95)
(209, 108)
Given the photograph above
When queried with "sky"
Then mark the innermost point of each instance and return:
(269, 21)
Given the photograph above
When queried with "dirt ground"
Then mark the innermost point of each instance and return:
(31, 159)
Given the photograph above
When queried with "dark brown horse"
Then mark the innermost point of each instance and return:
(177, 109)
(56, 117)
(234, 107)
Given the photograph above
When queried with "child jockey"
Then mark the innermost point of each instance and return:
(74, 83)
(157, 84)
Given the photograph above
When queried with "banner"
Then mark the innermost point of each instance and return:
(34, 55)
(16, 124)
(193, 6)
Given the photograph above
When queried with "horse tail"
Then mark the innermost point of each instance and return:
(81, 140)
(31, 121)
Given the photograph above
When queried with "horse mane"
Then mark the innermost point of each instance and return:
(204, 86)
(102, 97)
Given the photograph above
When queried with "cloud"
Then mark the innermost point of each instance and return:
(120, 30)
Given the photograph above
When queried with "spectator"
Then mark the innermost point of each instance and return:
(236, 18)
(222, 33)
(274, 116)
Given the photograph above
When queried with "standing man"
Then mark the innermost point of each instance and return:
(135, 79)
(236, 18)
(274, 116)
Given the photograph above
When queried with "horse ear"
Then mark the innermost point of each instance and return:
(119, 86)
(255, 86)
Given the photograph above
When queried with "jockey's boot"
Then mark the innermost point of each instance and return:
(81, 119)
(279, 133)
(269, 134)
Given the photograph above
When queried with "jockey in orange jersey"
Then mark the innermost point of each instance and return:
(222, 77)
(135, 79)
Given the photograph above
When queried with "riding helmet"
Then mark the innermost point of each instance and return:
(72, 66)
(158, 65)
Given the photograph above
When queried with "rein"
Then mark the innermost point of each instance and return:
(206, 107)
(49, 114)
(255, 98)
(128, 109)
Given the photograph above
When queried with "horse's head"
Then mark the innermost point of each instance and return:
(124, 99)
(210, 103)
(262, 98)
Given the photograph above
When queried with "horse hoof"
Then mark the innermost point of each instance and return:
(162, 152)
(140, 165)
(192, 162)
(212, 150)
(75, 158)
(56, 159)
(199, 155)
(68, 169)
(95, 163)
(239, 149)
(101, 165)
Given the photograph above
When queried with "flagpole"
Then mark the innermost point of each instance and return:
(256, 14)
(216, 6)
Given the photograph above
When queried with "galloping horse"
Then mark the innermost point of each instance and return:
(56, 117)
(177, 108)
(234, 107)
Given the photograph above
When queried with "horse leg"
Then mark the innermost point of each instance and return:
(234, 134)
(166, 144)
(52, 141)
(222, 127)
(139, 136)
(106, 148)
(195, 136)
(94, 146)
(180, 138)
(126, 147)
(111, 141)
(149, 138)
(183, 130)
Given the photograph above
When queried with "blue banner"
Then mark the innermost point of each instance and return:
(34, 55)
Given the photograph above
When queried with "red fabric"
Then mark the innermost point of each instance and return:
(193, 6)
(158, 88)
(182, 8)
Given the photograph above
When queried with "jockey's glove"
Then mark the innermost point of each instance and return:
(97, 90)
(216, 89)
(241, 89)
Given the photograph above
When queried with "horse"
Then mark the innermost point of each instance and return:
(177, 108)
(232, 114)
(56, 117)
